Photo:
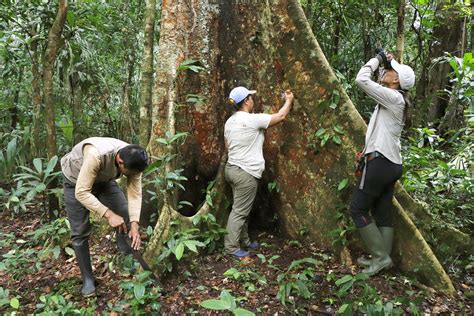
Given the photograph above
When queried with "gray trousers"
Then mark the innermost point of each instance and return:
(244, 189)
(108, 193)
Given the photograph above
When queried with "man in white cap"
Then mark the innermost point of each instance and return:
(244, 136)
(382, 161)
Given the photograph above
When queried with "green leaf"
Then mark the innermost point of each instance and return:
(343, 184)
(209, 200)
(338, 129)
(40, 187)
(70, 251)
(38, 164)
(15, 303)
(139, 290)
(191, 244)
(242, 312)
(214, 304)
(179, 251)
(344, 279)
(51, 164)
(228, 299)
(320, 132)
(336, 139)
(343, 308)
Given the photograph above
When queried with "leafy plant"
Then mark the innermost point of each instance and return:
(211, 233)
(56, 304)
(273, 187)
(164, 180)
(141, 294)
(190, 64)
(250, 279)
(323, 135)
(8, 160)
(14, 201)
(53, 236)
(37, 180)
(176, 245)
(5, 299)
(297, 279)
(18, 262)
(367, 300)
(269, 261)
(226, 302)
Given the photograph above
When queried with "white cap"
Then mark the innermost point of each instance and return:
(406, 75)
(240, 93)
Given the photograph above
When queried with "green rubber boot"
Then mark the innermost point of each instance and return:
(374, 242)
(387, 236)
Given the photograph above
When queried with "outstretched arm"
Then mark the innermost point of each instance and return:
(285, 109)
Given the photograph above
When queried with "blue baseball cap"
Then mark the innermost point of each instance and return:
(240, 93)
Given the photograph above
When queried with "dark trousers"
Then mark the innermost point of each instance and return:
(108, 193)
(376, 193)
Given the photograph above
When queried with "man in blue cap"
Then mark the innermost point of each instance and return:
(244, 137)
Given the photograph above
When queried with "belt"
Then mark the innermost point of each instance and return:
(373, 155)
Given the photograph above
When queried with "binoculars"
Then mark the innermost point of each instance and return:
(381, 52)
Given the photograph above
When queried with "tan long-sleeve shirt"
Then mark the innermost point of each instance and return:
(93, 161)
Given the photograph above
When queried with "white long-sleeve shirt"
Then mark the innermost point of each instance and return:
(386, 123)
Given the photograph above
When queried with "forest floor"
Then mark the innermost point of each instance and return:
(53, 285)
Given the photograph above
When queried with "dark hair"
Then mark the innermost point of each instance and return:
(134, 158)
(407, 111)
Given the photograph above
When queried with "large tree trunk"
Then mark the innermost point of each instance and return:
(54, 39)
(267, 46)
(146, 83)
(447, 35)
(36, 100)
(400, 31)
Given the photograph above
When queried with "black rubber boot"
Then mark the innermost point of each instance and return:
(84, 261)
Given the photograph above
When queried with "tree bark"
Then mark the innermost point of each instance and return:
(54, 40)
(400, 31)
(446, 38)
(16, 97)
(147, 72)
(267, 46)
(35, 144)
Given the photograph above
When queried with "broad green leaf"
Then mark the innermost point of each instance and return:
(242, 312)
(343, 184)
(179, 251)
(343, 308)
(38, 164)
(228, 299)
(40, 187)
(139, 290)
(70, 251)
(338, 129)
(214, 304)
(15, 303)
(337, 139)
(320, 132)
(191, 244)
(51, 164)
(344, 279)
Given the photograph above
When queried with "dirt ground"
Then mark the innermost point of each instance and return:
(199, 278)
